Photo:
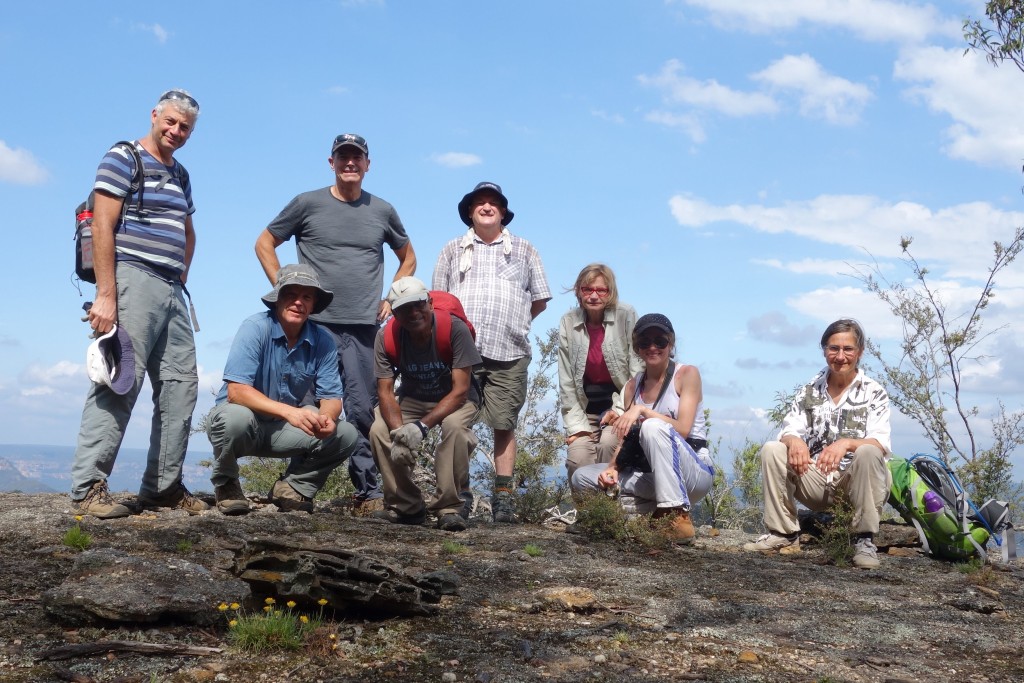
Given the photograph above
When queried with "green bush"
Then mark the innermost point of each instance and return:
(271, 629)
(77, 539)
(836, 538)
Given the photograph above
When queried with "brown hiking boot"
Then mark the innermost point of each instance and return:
(231, 499)
(287, 499)
(365, 507)
(99, 504)
(679, 529)
(175, 499)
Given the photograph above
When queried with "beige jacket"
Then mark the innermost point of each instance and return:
(573, 344)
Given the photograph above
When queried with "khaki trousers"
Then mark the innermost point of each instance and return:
(451, 460)
(866, 482)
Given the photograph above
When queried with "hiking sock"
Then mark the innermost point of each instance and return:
(502, 483)
(868, 535)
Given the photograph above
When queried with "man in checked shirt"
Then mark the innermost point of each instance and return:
(500, 280)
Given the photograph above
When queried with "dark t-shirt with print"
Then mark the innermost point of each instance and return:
(421, 373)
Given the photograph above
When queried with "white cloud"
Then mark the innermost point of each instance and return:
(605, 116)
(457, 159)
(56, 373)
(873, 20)
(710, 94)
(18, 166)
(337, 90)
(159, 32)
(983, 101)
(808, 266)
(688, 123)
(831, 303)
(821, 94)
(950, 234)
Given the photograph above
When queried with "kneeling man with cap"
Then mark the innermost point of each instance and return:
(436, 388)
(276, 358)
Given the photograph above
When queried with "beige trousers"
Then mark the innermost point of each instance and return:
(451, 460)
(866, 482)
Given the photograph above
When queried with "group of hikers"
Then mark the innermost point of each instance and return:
(448, 355)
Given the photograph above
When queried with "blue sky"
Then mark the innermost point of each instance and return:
(732, 161)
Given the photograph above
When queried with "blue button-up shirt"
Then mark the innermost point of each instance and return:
(261, 359)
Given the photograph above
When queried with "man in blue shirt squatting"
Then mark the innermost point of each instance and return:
(278, 357)
(436, 388)
(141, 265)
(340, 230)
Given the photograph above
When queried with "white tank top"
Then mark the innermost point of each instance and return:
(669, 405)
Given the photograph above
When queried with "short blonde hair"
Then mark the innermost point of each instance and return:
(592, 272)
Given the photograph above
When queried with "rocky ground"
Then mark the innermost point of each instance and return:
(580, 610)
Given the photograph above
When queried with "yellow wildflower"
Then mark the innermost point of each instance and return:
(304, 619)
(270, 601)
(321, 602)
(235, 606)
(78, 518)
(233, 623)
(332, 636)
(290, 604)
(267, 609)
(222, 606)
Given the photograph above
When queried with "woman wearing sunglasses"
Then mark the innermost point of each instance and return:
(595, 360)
(664, 464)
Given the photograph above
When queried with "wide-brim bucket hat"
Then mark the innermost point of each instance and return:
(467, 203)
(304, 276)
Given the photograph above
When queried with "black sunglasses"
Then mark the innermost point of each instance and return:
(180, 96)
(645, 343)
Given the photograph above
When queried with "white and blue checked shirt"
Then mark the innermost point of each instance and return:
(497, 284)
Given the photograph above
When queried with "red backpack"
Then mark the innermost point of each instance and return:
(446, 306)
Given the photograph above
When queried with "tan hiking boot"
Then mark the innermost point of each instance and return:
(175, 499)
(99, 504)
(231, 499)
(287, 499)
(365, 507)
(679, 528)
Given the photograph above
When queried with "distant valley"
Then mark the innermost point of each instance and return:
(33, 468)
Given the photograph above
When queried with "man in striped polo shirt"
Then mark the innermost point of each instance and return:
(142, 254)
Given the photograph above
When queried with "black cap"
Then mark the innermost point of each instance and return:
(650, 320)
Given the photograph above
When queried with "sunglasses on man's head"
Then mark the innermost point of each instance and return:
(646, 343)
(180, 97)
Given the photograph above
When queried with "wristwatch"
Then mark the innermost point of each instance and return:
(423, 428)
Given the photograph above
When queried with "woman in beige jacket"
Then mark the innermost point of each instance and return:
(595, 360)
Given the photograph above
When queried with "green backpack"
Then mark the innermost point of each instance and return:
(928, 494)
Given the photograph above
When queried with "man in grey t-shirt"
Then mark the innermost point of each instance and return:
(340, 231)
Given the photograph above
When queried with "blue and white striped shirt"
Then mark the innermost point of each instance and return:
(153, 235)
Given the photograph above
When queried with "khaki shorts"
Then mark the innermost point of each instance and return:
(503, 391)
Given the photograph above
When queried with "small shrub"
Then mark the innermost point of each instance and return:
(533, 550)
(183, 546)
(453, 548)
(621, 637)
(977, 572)
(272, 629)
(970, 566)
(77, 539)
(600, 516)
(836, 538)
